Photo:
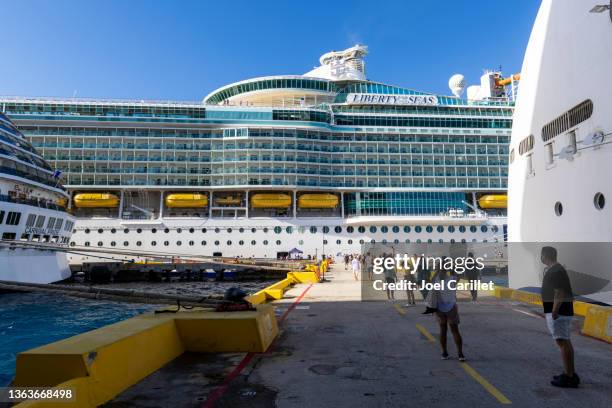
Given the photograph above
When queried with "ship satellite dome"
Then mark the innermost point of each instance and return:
(456, 83)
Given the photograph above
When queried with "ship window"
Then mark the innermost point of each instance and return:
(289, 230)
(567, 120)
(350, 230)
(324, 242)
(30, 221)
(166, 243)
(191, 230)
(203, 243)
(395, 229)
(241, 242)
(440, 228)
(179, 230)
(429, 241)
(166, 230)
(338, 242)
(429, 229)
(217, 243)
(373, 241)
(599, 200)
(325, 229)
(100, 230)
(253, 242)
(253, 230)
(153, 230)
(407, 241)
(472, 228)
(484, 228)
(361, 229)
(440, 241)
(278, 242)
(451, 229)
(406, 229)
(13, 218)
(179, 243)
(373, 229)
(384, 229)
(558, 209)
(462, 228)
(350, 241)
(229, 230)
(72, 243)
(526, 145)
(86, 243)
(113, 243)
(100, 243)
(125, 243)
(361, 242)
(265, 242)
(153, 243)
(191, 243)
(418, 229)
(313, 230)
(40, 221)
(229, 243)
(265, 230)
(278, 230)
(338, 229)
(203, 230)
(113, 230)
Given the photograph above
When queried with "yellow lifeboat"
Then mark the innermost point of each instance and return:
(62, 202)
(96, 200)
(493, 201)
(228, 200)
(318, 201)
(186, 200)
(270, 200)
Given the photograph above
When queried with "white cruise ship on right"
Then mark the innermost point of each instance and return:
(560, 177)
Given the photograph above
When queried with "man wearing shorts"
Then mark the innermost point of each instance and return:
(557, 300)
(447, 314)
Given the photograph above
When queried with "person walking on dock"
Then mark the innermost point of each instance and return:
(447, 313)
(557, 300)
(347, 259)
(356, 266)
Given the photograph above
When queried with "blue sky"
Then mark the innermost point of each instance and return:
(182, 50)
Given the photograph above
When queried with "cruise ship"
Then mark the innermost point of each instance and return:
(560, 152)
(314, 164)
(34, 223)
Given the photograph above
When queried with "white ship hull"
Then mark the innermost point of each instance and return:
(33, 265)
(554, 185)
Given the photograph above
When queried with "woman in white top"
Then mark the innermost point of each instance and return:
(356, 266)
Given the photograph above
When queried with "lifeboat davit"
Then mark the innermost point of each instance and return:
(318, 201)
(491, 201)
(270, 200)
(96, 200)
(186, 200)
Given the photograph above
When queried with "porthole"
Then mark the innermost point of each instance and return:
(72, 243)
(406, 229)
(153, 230)
(87, 231)
(396, 241)
(125, 231)
(229, 230)
(179, 243)
(361, 242)
(86, 243)
(278, 230)
(558, 209)
(253, 242)
(429, 229)
(203, 243)
(229, 243)
(100, 243)
(462, 228)
(494, 228)
(179, 230)
(166, 230)
(125, 243)
(113, 230)
(463, 241)
(418, 229)
(451, 228)
(191, 230)
(265, 230)
(384, 229)
(418, 241)
(241, 230)
(253, 230)
(191, 243)
(350, 230)
(440, 229)
(372, 241)
(204, 230)
(217, 243)
(153, 243)
(473, 228)
(139, 230)
(599, 201)
(324, 242)
(265, 242)
(484, 228)
(338, 242)
(278, 242)
(373, 229)
(166, 243)
(430, 241)
(361, 229)
(337, 229)
(350, 242)
(440, 241)
(138, 243)
(395, 229)
(217, 230)
(100, 230)
(452, 240)
(326, 230)
(241, 242)
(384, 241)
(113, 243)
(289, 230)
(301, 242)
(313, 230)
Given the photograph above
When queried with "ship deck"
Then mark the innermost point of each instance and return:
(335, 350)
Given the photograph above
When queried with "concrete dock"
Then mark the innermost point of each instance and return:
(335, 350)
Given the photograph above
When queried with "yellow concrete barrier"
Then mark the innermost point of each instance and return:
(598, 322)
(102, 363)
(503, 293)
(277, 290)
(526, 297)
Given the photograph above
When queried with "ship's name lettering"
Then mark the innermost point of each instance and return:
(382, 99)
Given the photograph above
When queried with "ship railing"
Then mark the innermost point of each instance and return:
(34, 202)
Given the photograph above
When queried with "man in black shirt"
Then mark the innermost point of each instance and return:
(557, 299)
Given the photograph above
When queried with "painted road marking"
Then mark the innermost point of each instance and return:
(473, 373)
(399, 309)
(527, 313)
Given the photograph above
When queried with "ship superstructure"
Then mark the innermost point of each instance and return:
(321, 162)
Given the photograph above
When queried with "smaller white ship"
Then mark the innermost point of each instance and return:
(34, 223)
